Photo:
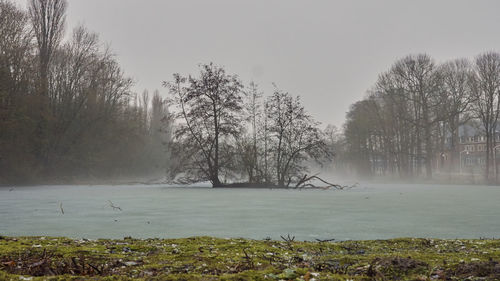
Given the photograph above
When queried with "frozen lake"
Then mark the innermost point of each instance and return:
(369, 211)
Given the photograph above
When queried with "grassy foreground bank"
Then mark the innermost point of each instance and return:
(207, 258)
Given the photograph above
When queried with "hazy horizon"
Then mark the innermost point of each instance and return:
(329, 52)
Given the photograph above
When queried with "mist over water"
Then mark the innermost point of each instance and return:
(368, 211)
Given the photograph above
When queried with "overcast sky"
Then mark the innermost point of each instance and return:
(329, 52)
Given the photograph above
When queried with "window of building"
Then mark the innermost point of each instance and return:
(470, 147)
(469, 161)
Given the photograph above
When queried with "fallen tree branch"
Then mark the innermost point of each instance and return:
(305, 182)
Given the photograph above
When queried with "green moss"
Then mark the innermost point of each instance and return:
(207, 258)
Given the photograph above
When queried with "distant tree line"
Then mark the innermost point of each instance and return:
(67, 111)
(414, 111)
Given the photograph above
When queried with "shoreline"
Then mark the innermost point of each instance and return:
(208, 258)
(135, 183)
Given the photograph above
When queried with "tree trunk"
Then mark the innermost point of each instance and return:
(215, 173)
(428, 143)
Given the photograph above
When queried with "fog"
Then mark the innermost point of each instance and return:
(330, 52)
(120, 88)
(232, 140)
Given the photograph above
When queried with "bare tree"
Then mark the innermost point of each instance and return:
(250, 149)
(359, 132)
(457, 99)
(15, 50)
(296, 137)
(417, 77)
(47, 18)
(486, 91)
(70, 68)
(16, 73)
(160, 131)
(210, 107)
(393, 115)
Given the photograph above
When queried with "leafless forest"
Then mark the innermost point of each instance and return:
(66, 109)
(68, 114)
(422, 116)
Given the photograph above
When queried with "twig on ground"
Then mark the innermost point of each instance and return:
(113, 206)
(248, 258)
(288, 239)
(325, 240)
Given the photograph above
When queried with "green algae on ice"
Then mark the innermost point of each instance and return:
(207, 258)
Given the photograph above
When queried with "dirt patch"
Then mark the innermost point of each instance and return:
(490, 269)
(43, 263)
(395, 267)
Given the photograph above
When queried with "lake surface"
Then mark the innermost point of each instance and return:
(368, 211)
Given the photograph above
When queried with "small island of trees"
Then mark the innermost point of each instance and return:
(227, 131)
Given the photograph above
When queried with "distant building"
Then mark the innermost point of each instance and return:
(470, 157)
